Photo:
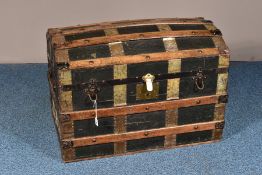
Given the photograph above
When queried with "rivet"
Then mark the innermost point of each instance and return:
(147, 108)
(86, 40)
(141, 35)
(193, 33)
(94, 140)
(198, 101)
(146, 133)
(93, 113)
(91, 62)
(196, 127)
(147, 57)
(200, 51)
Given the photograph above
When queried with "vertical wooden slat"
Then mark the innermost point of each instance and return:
(171, 120)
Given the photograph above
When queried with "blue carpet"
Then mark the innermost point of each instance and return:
(28, 140)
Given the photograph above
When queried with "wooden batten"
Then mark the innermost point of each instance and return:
(133, 36)
(77, 142)
(152, 57)
(124, 23)
(136, 152)
(147, 107)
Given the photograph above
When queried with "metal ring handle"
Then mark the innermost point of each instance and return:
(199, 82)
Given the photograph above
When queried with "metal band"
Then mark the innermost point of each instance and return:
(223, 61)
(210, 26)
(163, 27)
(139, 79)
(110, 32)
(120, 127)
(61, 56)
(219, 111)
(171, 120)
(65, 77)
(66, 101)
(120, 72)
(222, 83)
(173, 67)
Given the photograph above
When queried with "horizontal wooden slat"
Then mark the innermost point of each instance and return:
(129, 59)
(124, 23)
(133, 36)
(140, 151)
(148, 107)
(77, 142)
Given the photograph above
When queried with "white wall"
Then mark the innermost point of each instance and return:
(24, 22)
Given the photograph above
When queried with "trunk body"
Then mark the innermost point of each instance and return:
(157, 83)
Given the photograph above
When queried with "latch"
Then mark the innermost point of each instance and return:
(148, 79)
(92, 91)
(147, 90)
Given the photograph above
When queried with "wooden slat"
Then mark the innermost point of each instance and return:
(141, 151)
(77, 142)
(152, 57)
(148, 107)
(133, 36)
(124, 23)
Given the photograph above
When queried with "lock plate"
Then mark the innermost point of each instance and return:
(143, 94)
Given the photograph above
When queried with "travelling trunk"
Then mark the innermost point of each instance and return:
(137, 85)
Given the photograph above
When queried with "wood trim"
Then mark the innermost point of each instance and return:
(142, 151)
(152, 57)
(133, 36)
(141, 108)
(77, 142)
(124, 23)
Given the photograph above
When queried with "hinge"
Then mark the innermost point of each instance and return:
(220, 125)
(67, 144)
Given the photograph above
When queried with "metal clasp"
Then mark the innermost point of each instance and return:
(92, 89)
(148, 79)
(199, 79)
